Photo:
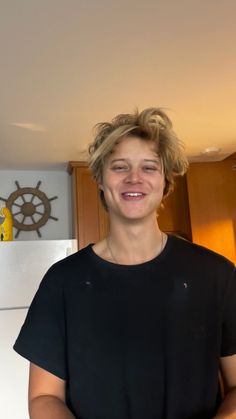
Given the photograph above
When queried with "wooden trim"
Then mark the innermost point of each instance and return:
(74, 164)
(231, 157)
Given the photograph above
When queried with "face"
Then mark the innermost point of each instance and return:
(133, 180)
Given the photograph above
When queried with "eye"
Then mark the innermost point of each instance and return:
(150, 168)
(119, 168)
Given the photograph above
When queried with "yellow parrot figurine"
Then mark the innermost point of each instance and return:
(6, 225)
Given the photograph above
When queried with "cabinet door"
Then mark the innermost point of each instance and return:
(174, 215)
(90, 218)
(212, 201)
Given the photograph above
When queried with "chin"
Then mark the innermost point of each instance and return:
(138, 216)
(135, 214)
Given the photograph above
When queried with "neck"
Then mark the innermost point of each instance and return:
(133, 245)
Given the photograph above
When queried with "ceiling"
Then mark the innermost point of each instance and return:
(68, 64)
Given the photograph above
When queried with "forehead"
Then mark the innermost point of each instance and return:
(132, 146)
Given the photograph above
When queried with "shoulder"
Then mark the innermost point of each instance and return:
(199, 256)
(65, 270)
(80, 257)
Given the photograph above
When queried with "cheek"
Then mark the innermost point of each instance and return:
(108, 182)
(159, 183)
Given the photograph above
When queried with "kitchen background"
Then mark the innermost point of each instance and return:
(66, 65)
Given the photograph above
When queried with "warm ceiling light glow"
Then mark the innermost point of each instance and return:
(211, 151)
(29, 126)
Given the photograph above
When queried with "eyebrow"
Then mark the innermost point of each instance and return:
(157, 160)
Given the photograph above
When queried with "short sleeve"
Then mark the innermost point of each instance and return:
(228, 346)
(42, 336)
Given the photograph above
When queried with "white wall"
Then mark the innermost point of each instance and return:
(19, 282)
(54, 183)
(14, 368)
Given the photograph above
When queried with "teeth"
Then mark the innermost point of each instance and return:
(133, 194)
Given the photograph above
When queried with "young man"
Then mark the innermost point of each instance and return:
(137, 325)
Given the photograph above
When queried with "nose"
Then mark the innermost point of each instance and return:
(133, 176)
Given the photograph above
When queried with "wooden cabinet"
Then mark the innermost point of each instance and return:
(212, 204)
(89, 217)
(173, 216)
(91, 220)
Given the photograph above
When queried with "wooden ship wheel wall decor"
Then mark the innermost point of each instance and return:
(30, 208)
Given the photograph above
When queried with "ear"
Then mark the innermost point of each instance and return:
(100, 184)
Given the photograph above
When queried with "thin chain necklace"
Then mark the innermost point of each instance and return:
(112, 254)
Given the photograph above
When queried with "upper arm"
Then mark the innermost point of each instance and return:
(42, 382)
(228, 370)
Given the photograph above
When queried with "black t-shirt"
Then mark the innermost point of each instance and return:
(135, 342)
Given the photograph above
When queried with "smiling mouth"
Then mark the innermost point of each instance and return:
(133, 195)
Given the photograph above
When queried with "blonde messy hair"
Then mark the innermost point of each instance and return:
(151, 124)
